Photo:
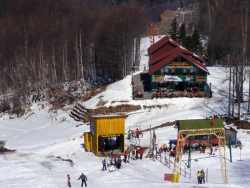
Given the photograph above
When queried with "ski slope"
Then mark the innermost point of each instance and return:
(40, 136)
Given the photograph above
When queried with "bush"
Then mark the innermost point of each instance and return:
(5, 106)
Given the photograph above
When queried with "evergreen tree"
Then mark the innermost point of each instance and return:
(159, 19)
(182, 35)
(189, 43)
(173, 30)
(197, 46)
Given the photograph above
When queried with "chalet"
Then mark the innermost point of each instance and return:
(175, 68)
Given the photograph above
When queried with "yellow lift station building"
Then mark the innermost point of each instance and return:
(107, 132)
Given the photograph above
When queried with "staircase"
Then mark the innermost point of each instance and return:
(142, 84)
(79, 113)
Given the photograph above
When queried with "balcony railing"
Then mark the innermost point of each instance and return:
(179, 65)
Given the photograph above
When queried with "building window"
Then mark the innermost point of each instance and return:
(184, 71)
(166, 71)
(191, 71)
(172, 72)
(162, 70)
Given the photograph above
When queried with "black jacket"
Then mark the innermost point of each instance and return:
(83, 177)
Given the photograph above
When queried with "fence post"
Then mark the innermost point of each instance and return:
(207, 175)
(169, 161)
(190, 173)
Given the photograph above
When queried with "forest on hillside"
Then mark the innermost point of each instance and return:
(47, 43)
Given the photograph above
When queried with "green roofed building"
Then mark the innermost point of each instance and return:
(193, 124)
(199, 124)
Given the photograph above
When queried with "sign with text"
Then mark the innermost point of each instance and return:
(167, 177)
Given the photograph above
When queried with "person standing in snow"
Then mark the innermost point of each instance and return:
(136, 153)
(133, 154)
(125, 157)
(137, 136)
(202, 177)
(141, 153)
(84, 179)
(211, 150)
(104, 164)
(69, 180)
(199, 177)
(129, 157)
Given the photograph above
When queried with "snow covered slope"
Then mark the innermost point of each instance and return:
(43, 139)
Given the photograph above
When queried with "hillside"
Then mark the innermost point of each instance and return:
(43, 140)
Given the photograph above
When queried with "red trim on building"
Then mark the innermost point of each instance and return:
(158, 61)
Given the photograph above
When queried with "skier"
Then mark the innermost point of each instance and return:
(84, 179)
(211, 150)
(125, 157)
(202, 176)
(136, 154)
(104, 165)
(119, 162)
(137, 136)
(133, 154)
(129, 157)
(69, 180)
(141, 153)
(199, 177)
(164, 147)
(111, 158)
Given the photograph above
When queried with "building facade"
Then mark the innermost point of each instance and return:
(175, 68)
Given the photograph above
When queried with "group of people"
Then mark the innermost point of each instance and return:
(201, 177)
(134, 136)
(82, 177)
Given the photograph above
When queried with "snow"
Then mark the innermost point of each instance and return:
(40, 136)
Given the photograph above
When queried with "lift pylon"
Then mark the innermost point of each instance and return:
(183, 136)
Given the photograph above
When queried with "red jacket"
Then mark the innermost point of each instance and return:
(141, 152)
(125, 154)
(137, 132)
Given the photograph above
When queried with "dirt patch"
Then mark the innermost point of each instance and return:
(118, 101)
(242, 124)
(101, 103)
(167, 124)
(3, 149)
(67, 160)
(155, 106)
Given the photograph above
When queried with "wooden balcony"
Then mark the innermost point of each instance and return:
(179, 65)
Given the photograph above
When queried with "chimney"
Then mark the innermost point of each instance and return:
(213, 123)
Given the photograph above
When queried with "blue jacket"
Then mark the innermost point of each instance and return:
(104, 162)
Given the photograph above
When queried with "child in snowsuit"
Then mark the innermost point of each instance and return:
(69, 180)
(104, 165)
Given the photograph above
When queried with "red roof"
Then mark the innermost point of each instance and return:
(174, 55)
(170, 55)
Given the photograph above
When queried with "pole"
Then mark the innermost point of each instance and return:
(230, 147)
(151, 30)
(207, 175)
(189, 156)
(248, 94)
(229, 93)
(153, 33)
